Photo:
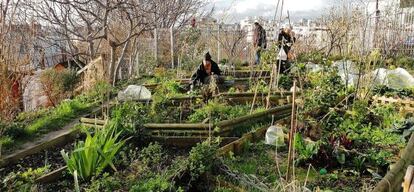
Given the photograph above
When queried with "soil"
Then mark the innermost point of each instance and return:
(50, 157)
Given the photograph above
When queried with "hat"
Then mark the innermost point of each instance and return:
(207, 56)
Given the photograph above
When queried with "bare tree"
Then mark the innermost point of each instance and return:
(106, 26)
(232, 41)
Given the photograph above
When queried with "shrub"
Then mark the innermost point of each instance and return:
(202, 158)
(129, 116)
(326, 87)
(285, 81)
(105, 183)
(152, 154)
(58, 85)
(98, 93)
(92, 156)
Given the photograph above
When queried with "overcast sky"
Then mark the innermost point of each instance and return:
(234, 10)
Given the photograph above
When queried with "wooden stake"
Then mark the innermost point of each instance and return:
(291, 135)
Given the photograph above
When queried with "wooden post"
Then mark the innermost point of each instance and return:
(218, 43)
(156, 44)
(172, 46)
(291, 135)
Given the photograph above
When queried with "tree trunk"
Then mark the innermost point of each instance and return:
(132, 58)
(111, 64)
(116, 70)
(91, 50)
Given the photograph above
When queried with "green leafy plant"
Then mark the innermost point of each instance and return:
(217, 111)
(202, 158)
(156, 184)
(404, 61)
(92, 156)
(260, 86)
(378, 157)
(359, 163)
(23, 181)
(306, 151)
(162, 95)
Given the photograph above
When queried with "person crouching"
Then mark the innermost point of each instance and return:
(207, 70)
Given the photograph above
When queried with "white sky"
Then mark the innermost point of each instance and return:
(237, 9)
(293, 5)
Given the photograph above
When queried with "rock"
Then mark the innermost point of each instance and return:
(134, 92)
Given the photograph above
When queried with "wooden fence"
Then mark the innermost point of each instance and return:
(405, 104)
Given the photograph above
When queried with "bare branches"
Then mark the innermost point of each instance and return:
(233, 41)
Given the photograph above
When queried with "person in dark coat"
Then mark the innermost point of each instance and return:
(285, 40)
(208, 69)
(259, 41)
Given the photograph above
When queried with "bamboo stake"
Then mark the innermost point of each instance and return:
(173, 126)
(291, 135)
(93, 121)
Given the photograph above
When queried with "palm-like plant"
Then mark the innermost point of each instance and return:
(92, 156)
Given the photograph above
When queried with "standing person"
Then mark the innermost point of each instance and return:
(208, 69)
(285, 40)
(259, 40)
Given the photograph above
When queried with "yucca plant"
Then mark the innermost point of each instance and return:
(92, 156)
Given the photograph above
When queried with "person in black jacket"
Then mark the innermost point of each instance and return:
(208, 69)
(285, 40)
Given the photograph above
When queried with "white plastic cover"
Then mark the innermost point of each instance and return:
(312, 67)
(397, 79)
(347, 71)
(275, 136)
(134, 92)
